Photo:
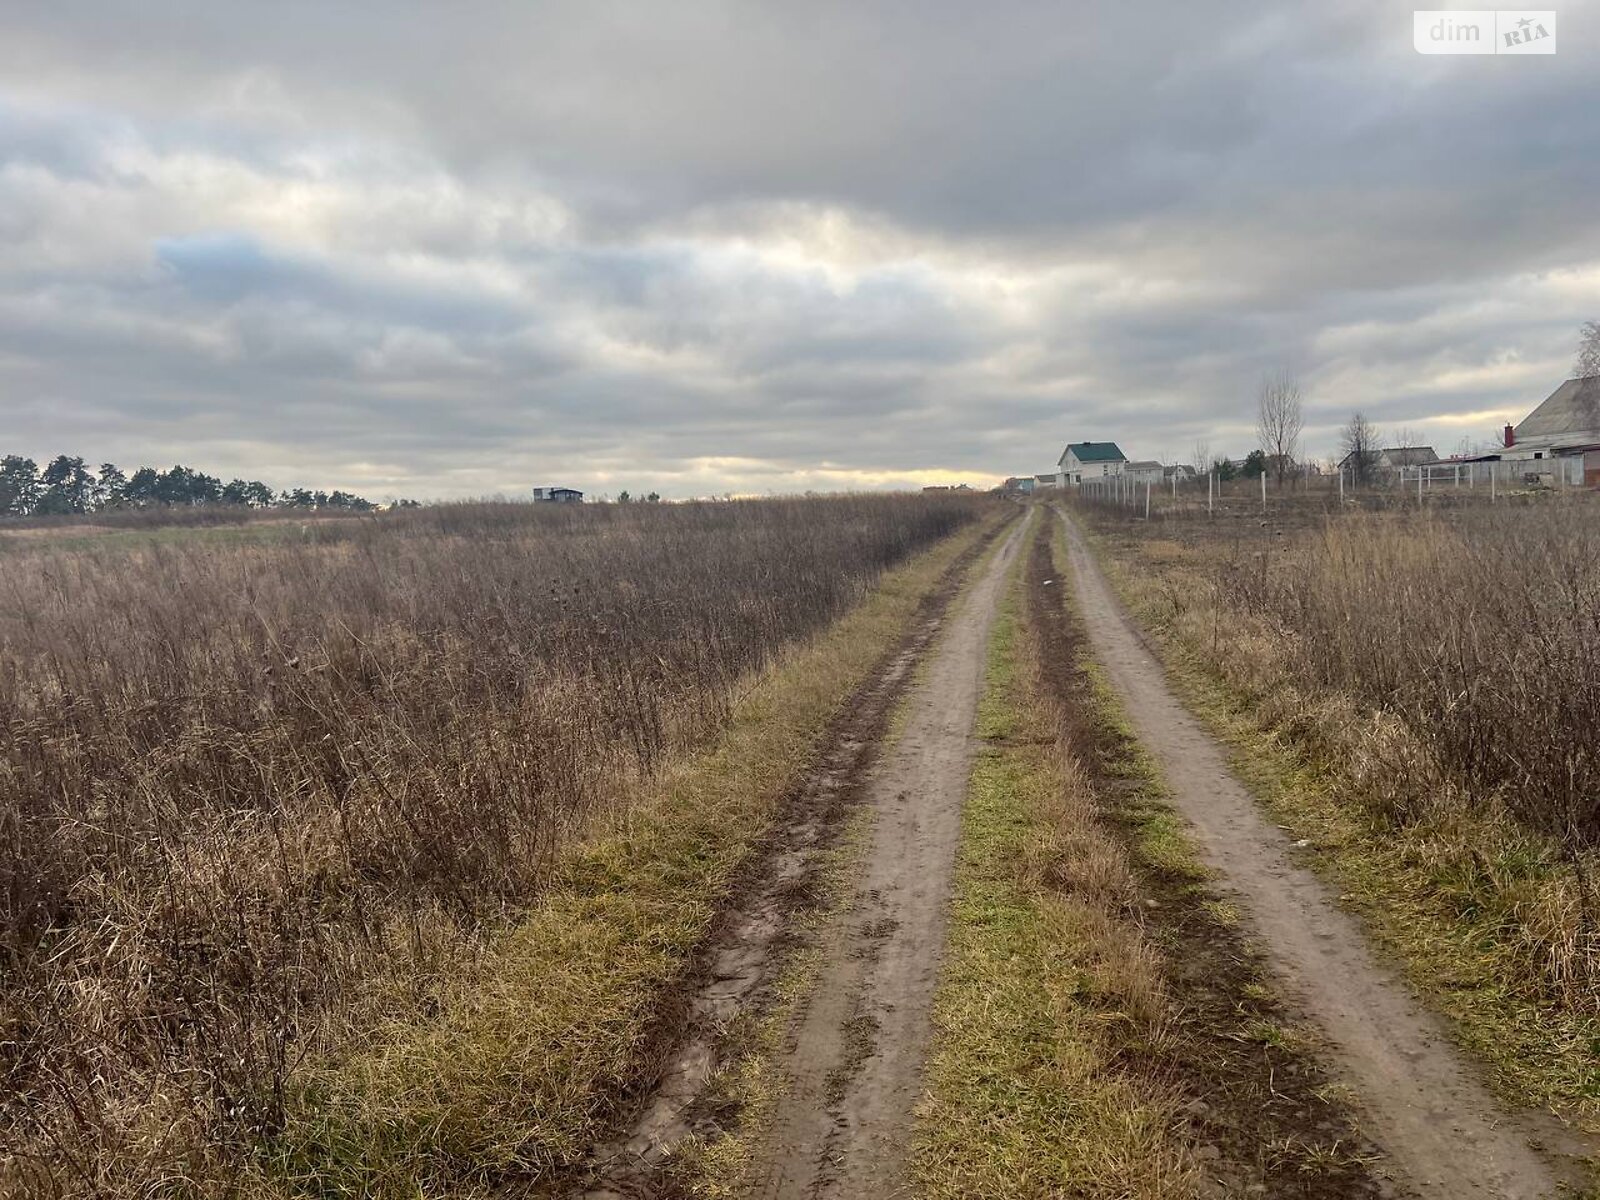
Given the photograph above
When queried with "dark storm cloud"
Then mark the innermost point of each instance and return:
(707, 247)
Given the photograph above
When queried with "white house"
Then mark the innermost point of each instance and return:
(1089, 460)
(1567, 423)
(1147, 471)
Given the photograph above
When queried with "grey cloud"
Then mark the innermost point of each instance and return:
(442, 250)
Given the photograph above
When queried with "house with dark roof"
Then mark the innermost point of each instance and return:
(1089, 460)
(558, 495)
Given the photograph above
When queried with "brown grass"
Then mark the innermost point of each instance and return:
(259, 797)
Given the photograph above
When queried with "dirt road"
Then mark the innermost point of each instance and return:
(1420, 1101)
(856, 1057)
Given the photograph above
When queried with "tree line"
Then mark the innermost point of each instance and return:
(67, 485)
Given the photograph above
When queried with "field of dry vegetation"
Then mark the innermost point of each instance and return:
(1438, 670)
(258, 793)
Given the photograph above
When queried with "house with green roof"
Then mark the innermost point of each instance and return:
(1089, 460)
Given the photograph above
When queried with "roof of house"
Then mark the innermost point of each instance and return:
(1409, 456)
(1050, 478)
(1094, 452)
(1146, 464)
(1572, 410)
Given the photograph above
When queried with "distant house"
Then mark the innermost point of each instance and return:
(558, 495)
(1566, 424)
(1178, 471)
(1045, 481)
(1145, 471)
(1089, 460)
(1406, 456)
(1395, 458)
(1016, 483)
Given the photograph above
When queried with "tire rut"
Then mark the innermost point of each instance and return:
(855, 1057)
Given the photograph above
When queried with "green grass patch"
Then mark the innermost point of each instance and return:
(1024, 1096)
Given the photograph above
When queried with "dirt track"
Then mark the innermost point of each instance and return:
(856, 1057)
(1443, 1131)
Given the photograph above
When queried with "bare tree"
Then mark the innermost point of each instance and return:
(1587, 368)
(1202, 455)
(1359, 439)
(1280, 418)
(1587, 365)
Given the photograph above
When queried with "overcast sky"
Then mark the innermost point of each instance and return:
(437, 250)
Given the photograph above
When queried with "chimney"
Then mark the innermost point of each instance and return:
(1511, 436)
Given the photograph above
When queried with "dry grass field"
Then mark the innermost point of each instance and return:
(1418, 688)
(260, 793)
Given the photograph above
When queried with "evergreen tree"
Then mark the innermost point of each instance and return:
(19, 485)
(111, 488)
(68, 487)
(141, 490)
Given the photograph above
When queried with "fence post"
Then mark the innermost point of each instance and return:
(1263, 493)
(1341, 486)
(1146, 499)
(1211, 490)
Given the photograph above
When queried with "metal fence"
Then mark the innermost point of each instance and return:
(1502, 475)
(1445, 481)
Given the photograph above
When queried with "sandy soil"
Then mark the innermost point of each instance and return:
(856, 1056)
(1444, 1133)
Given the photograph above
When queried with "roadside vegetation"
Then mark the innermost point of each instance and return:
(360, 863)
(1101, 1029)
(1417, 693)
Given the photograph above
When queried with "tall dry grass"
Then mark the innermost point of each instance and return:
(259, 795)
